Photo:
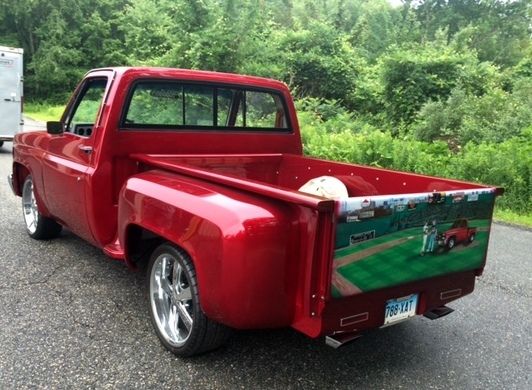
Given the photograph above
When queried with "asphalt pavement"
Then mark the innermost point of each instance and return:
(72, 318)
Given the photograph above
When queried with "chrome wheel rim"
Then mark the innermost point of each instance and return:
(171, 300)
(29, 207)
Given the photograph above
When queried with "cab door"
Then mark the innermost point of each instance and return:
(68, 163)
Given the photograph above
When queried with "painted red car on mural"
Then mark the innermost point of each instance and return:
(195, 176)
(459, 232)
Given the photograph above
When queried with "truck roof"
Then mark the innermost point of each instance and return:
(196, 75)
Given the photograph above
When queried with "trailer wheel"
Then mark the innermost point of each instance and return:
(38, 226)
(175, 308)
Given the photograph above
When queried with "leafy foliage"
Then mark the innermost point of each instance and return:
(507, 164)
(462, 118)
(435, 86)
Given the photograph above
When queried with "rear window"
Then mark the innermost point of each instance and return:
(174, 105)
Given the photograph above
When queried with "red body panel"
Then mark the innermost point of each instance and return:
(238, 242)
(262, 250)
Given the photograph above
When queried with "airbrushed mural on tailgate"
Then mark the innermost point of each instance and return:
(384, 241)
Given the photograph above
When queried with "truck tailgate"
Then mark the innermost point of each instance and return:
(384, 241)
(388, 263)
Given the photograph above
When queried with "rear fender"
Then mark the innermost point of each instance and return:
(240, 244)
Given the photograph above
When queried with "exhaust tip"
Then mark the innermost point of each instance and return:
(337, 340)
(438, 312)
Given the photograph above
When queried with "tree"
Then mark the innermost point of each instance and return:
(319, 62)
(498, 30)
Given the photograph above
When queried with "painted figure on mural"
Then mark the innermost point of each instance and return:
(430, 233)
(433, 232)
(426, 231)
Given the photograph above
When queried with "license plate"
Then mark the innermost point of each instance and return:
(400, 309)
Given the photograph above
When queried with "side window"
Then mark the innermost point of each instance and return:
(83, 116)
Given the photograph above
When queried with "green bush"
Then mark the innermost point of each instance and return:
(411, 79)
(507, 164)
(493, 117)
(319, 62)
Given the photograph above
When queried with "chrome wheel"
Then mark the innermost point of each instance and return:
(29, 207)
(171, 300)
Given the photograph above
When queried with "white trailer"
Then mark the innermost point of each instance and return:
(11, 92)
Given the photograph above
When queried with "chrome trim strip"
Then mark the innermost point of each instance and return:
(361, 317)
(444, 295)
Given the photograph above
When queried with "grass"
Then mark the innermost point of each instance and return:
(43, 111)
(512, 217)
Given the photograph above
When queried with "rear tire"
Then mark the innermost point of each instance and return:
(174, 305)
(37, 225)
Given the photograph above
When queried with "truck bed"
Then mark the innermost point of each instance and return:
(287, 173)
(373, 248)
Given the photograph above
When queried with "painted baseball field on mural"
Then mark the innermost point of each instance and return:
(383, 241)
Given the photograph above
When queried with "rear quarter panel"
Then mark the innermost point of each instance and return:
(244, 247)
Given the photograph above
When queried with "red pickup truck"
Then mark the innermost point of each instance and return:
(459, 232)
(197, 176)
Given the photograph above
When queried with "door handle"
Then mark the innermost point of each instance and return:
(8, 100)
(85, 149)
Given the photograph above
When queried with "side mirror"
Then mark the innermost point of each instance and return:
(54, 127)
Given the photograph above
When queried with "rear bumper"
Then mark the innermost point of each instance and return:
(365, 311)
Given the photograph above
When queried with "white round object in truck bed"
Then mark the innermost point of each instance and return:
(327, 186)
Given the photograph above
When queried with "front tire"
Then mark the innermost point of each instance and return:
(451, 243)
(38, 226)
(175, 309)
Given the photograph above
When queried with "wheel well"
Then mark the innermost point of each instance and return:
(139, 245)
(19, 175)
